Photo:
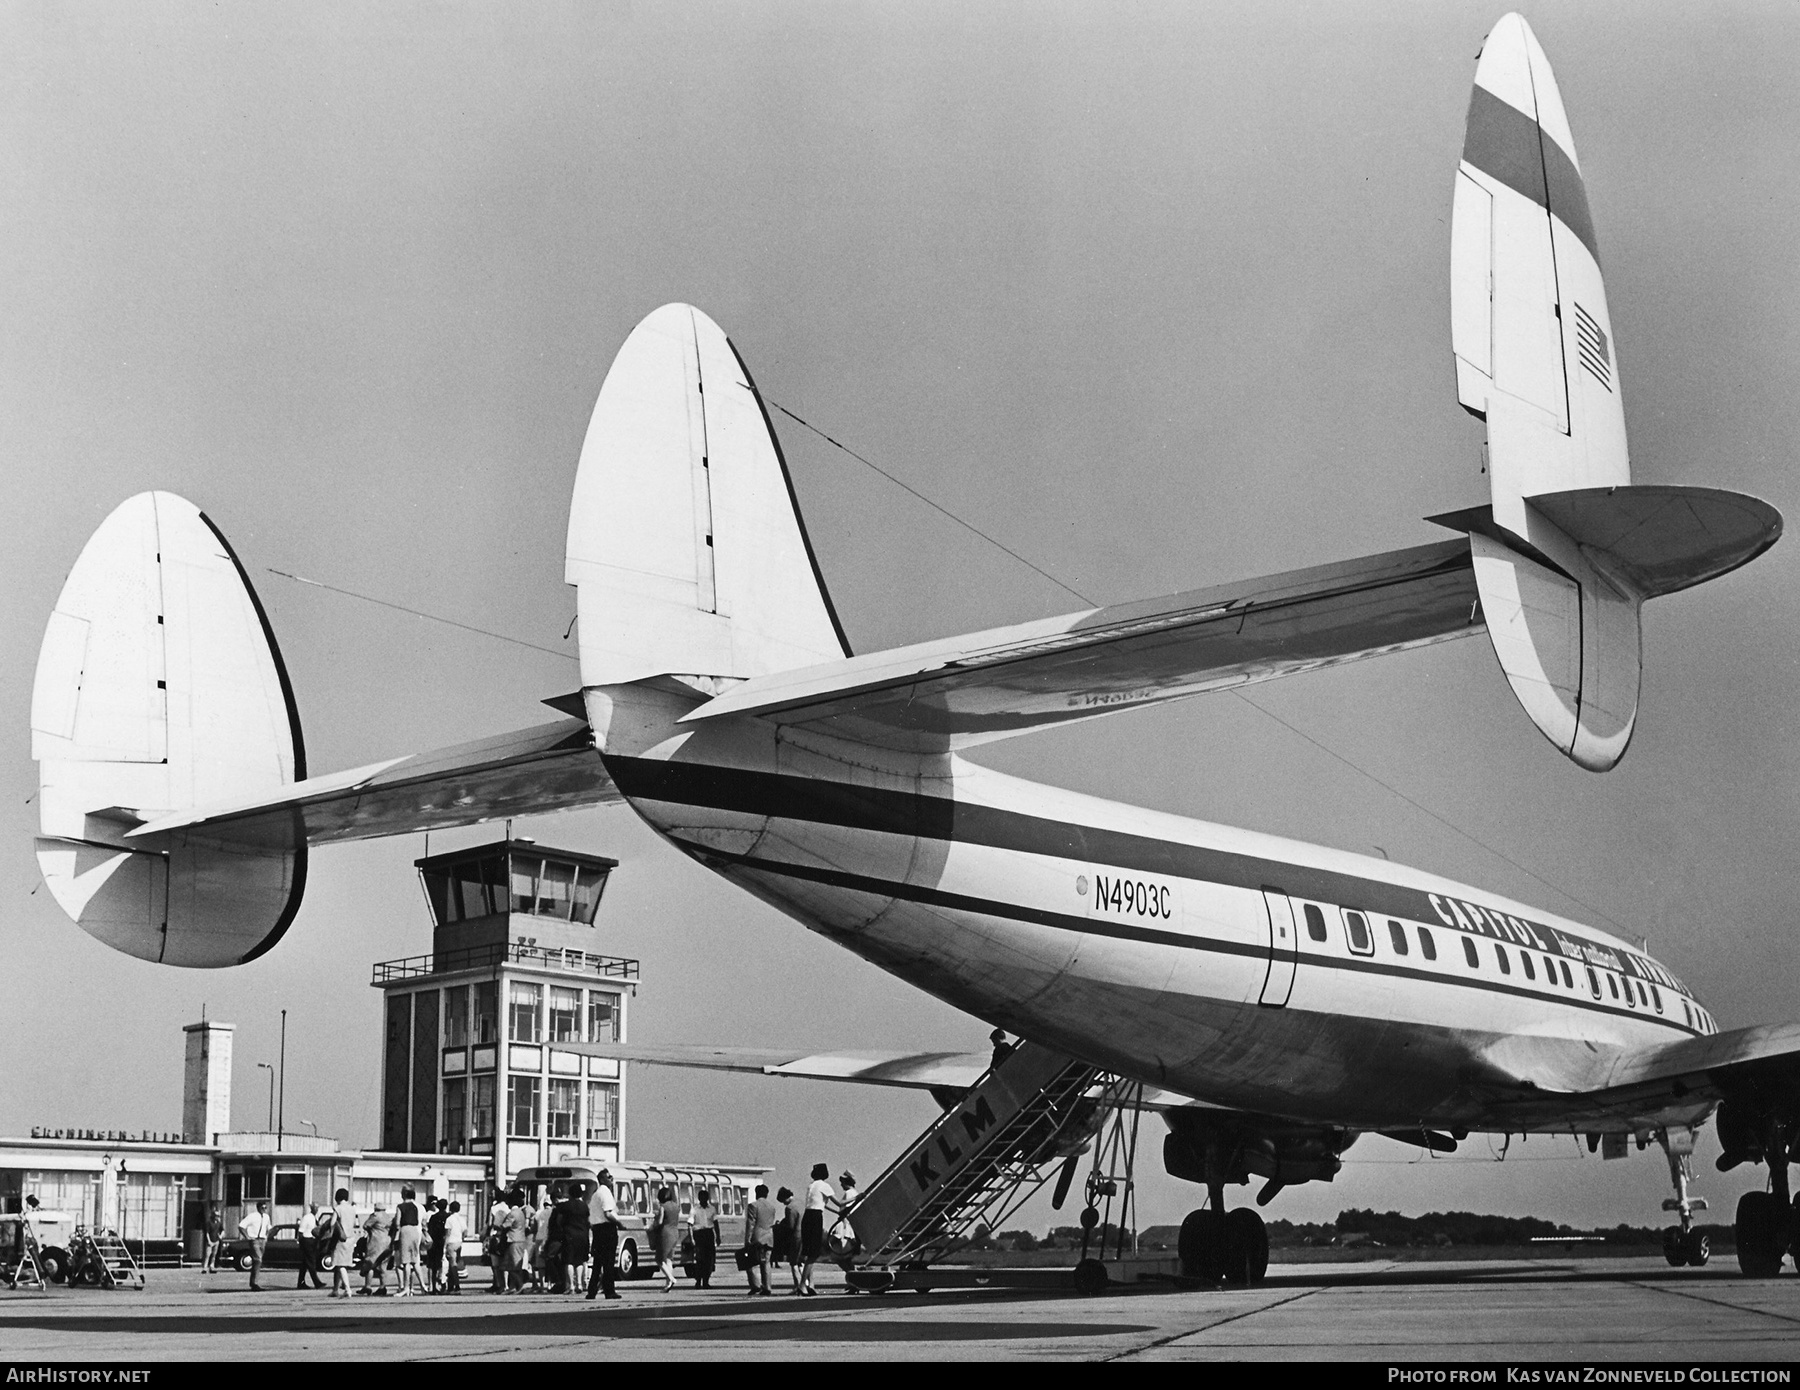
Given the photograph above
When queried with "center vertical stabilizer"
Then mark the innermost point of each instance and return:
(685, 543)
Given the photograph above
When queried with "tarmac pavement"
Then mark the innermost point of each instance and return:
(1565, 1309)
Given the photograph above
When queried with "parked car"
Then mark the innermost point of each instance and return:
(281, 1252)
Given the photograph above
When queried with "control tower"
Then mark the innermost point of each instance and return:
(470, 1058)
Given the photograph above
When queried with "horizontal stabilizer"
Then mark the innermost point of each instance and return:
(552, 767)
(990, 685)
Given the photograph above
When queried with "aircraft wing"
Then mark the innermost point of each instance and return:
(552, 767)
(1760, 1065)
(956, 1071)
(953, 1072)
(992, 685)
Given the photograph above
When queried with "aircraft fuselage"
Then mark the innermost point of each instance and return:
(1239, 968)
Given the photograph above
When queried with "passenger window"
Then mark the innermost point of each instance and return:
(1656, 997)
(1593, 982)
(1549, 970)
(1357, 927)
(1427, 947)
(1315, 923)
(1397, 935)
(1500, 955)
(1469, 954)
(1686, 1013)
(1612, 985)
(1568, 979)
(1525, 960)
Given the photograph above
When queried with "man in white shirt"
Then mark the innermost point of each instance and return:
(456, 1226)
(255, 1229)
(307, 1229)
(603, 1207)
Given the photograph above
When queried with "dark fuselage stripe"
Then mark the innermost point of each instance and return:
(1124, 931)
(940, 818)
(1507, 145)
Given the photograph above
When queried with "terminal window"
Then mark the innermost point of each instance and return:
(603, 1112)
(522, 1013)
(481, 1107)
(486, 1026)
(522, 1094)
(290, 1189)
(562, 1119)
(565, 1014)
(456, 1016)
(603, 1016)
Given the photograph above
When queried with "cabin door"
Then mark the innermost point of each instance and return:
(1284, 949)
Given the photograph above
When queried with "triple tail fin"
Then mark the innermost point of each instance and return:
(1569, 549)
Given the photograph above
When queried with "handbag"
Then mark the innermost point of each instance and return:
(747, 1258)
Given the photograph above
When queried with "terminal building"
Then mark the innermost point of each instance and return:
(473, 1085)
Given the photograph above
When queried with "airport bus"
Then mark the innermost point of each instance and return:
(634, 1188)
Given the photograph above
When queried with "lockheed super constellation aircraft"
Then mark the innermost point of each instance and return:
(1287, 997)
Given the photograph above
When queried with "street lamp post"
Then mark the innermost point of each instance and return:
(281, 1113)
(271, 1071)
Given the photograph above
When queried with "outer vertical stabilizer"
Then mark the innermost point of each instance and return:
(158, 688)
(1568, 550)
(685, 544)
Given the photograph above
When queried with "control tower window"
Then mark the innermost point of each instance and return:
(481, 1107)
(603, 1112)
(522, 1107)
(562, 1119)
(486, 1025)
(565, 1014)
(524, 882)
(556, 889)
(589, 884)
(456, 1016)
(524, 1017)
(603, 1016)
(456, 1106)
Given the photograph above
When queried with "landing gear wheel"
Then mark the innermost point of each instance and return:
(1675, 1247)
(1091, 1277)
(1201, 1248)
(1246, 1247)
(1761, 1234)
(1698, 1246)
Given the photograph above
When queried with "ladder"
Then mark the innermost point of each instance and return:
(26, 1271)
(116, 1267)
(1029, 1112)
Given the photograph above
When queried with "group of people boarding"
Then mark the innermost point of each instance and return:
(792, 1230)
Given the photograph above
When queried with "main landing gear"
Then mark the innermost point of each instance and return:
(1224, 1246)
(1767, 1222)
(1682, 1244)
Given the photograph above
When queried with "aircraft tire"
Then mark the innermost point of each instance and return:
(1247, 1247)
(1201, 1250)
(1699, 1248)
(1674, 1247)
(1091, 1277)
(1761, 1234)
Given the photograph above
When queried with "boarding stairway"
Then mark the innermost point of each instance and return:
(1030, 1113)
(106, 1260)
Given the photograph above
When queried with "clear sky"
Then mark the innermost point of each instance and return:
(1154, 293)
